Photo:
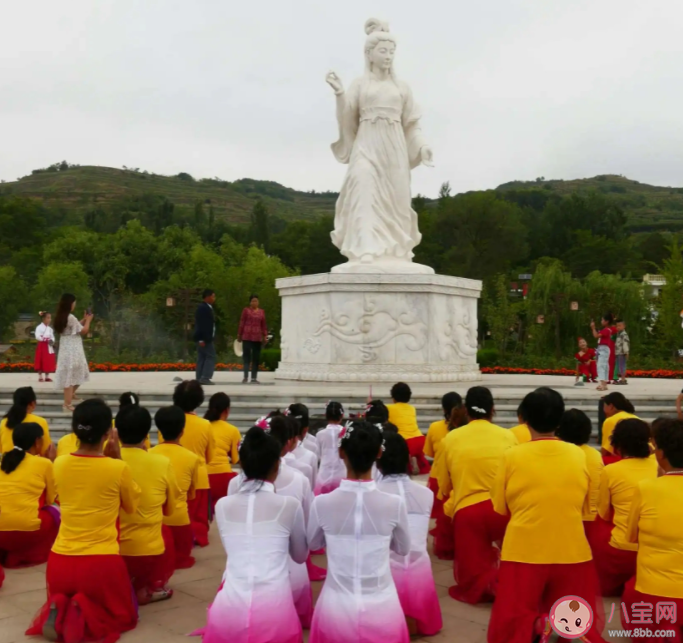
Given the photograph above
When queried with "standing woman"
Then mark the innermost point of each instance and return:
(23, 404)
(253, 333)
(605, 349)
(72, 366)
(45, 361)
(28, 523)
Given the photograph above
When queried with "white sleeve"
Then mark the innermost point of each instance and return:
(400, 539)
(40, 330)
(316, 535)
(298, 546)
(307, 500)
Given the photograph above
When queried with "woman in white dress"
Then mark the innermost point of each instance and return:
(359, 525)
(261, 531)
(412, 573)
(72, 366)
(332, 469)
(380, 139)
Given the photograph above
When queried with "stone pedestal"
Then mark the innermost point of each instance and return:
(379, 328)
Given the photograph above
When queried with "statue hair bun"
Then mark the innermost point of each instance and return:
(373, 24)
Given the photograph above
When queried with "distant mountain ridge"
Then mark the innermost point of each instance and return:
(648, 207)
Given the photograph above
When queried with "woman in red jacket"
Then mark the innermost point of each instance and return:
(253, 333)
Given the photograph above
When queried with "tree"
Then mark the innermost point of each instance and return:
(499, 311)
(260, 230)
(592, 252)
(671, 300)
(55, 279)
(12, 299)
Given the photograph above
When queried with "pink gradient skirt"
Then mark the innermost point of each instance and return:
(417, 593)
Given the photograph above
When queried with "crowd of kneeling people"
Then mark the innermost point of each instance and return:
(528, 515)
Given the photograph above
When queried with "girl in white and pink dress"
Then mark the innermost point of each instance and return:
(332, 469)
(359, 525)
(289, 482)
(412, 573)
(260, 531)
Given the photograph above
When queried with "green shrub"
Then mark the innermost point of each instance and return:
(270, 358)
(488, 357)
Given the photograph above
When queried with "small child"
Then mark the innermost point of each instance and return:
(404, 416)
(412, 573)
(622, 349)
(45, 361)
(170, 422)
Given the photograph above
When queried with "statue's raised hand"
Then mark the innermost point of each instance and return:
(427, 156)
(334, 82)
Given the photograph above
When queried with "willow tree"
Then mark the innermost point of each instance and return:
(671, 300)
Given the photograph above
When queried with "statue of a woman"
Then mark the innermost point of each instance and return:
(375, 226)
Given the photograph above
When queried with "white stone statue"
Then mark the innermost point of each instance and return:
(375, 227)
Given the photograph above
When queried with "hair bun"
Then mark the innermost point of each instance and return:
(373, 24)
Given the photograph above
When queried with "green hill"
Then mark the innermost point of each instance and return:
(648, 207)
(83, 188)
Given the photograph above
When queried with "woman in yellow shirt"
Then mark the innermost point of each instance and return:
(616, 408)
(615, 557)
(226, 442)
(576, 428)
(90, 596)
(454, 414)
(28, 522)
(544, 487)
(24, 402)
(404, 416)
(655, 525)
(471, 457)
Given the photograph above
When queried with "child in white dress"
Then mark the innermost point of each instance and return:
(332, 469)
(359, 525)
(412, 573)
(261, 531)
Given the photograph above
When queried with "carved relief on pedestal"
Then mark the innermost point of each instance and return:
(369, 326)
(459, 334)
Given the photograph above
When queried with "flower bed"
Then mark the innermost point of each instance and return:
(27, 367)
(663, 373)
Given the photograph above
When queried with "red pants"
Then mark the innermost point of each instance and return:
(443, 531)
(416, 448)
(2, 575)
(615, 567)
(149, 574)
(199, 516)
(99, 585)
(527, 591)
(631, 596)
(219, 486)
(183, 541)
(27, 548)
(475, 568)
(589, 370)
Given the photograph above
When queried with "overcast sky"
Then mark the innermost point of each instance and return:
(509, 89)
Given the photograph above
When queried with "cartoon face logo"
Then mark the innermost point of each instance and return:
(571, 617)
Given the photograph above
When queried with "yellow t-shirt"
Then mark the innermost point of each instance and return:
(544, 485)
(226, 440)
(404, 416)
(608, 428)
(437, 432)
(141, 531)
(595, 467)
(6, 441)
(92, 490)
(186, 469)
(471, 457)
(522, 433)
(68, 444)
(198, 438)
(618, 483)
(21, 491)
(655, 524)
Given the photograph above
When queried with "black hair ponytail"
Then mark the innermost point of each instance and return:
(259, 453)
(24, 437)
(218, 404)
(21, 399)
(395, 458)
(334, 412)
(361, 442)
(479, 403)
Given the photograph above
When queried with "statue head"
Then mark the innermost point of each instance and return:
(380, 46)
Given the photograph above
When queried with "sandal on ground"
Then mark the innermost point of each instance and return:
(68, 408)
(48, 379)
(160, 595)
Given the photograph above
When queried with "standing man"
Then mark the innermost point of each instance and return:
(204, 333)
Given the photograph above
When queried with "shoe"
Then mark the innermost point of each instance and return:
(48, 379)
(245, 380)
(206, 383)
(255, 382)
(50, 625)
(74, 623)
(579, 383)
(68, 408)
(41, 380)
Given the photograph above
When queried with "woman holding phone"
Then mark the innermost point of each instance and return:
(72, 366)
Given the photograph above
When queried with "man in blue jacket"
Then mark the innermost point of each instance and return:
(204, 333)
